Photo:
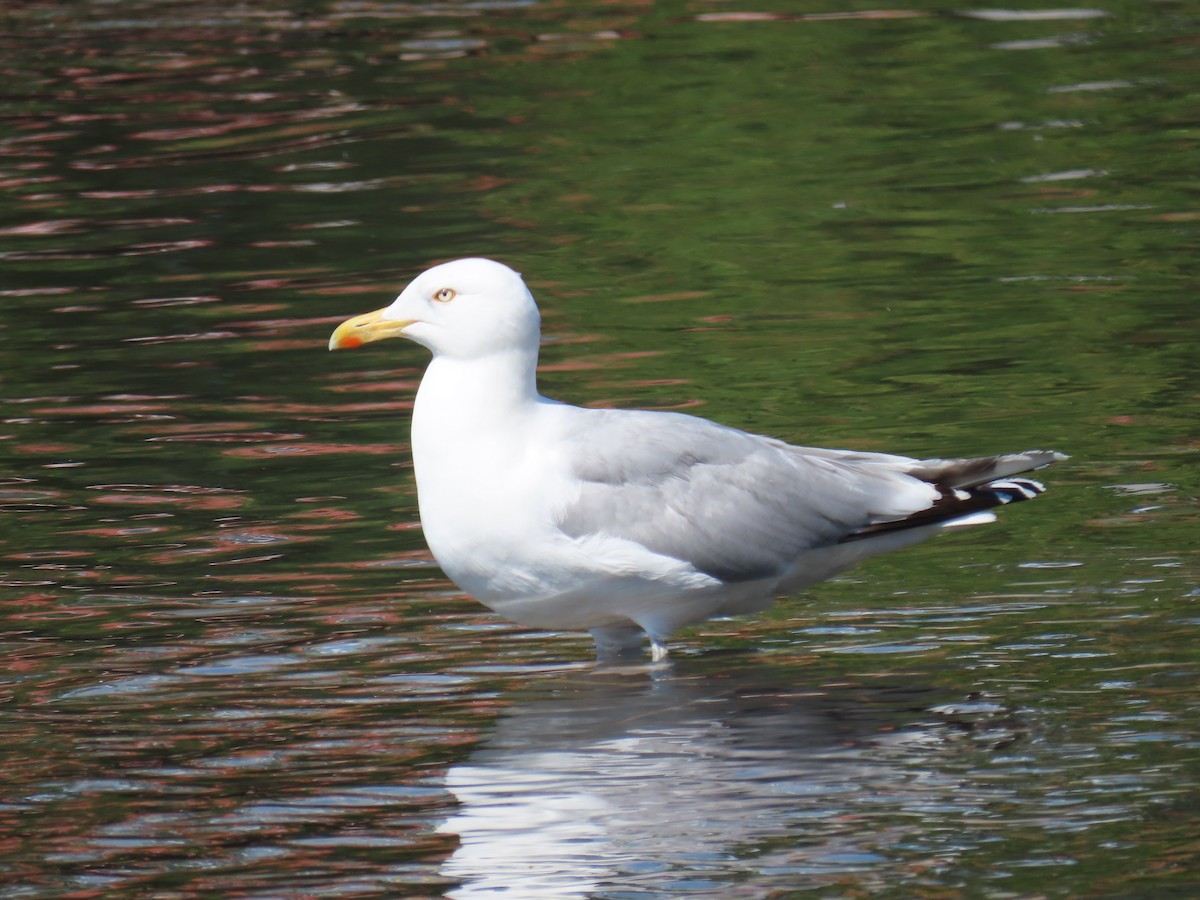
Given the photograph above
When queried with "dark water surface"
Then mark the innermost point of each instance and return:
(230, 668)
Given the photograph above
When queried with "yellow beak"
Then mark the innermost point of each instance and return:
(363, 329)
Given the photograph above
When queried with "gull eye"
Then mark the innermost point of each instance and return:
(445, 295)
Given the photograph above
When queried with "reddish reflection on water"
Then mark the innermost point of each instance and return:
(230, 667)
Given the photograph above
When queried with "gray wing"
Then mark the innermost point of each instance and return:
(734, 505)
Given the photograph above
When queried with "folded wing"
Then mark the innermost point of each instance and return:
(741, 507)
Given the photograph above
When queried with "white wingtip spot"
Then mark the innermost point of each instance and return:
(1026, 488)
(976, 518)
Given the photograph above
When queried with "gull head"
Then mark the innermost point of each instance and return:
(465, 309)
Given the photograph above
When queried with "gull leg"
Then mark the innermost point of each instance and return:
(658, 650)
(617, 640)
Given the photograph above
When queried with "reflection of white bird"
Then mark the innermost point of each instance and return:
(627, 522)
(702, 777)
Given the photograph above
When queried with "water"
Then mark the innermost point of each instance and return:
(230, 667)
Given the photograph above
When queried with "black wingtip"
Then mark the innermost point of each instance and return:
(1013, 490)
(957, 503)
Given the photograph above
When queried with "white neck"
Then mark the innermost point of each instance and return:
(465, 399)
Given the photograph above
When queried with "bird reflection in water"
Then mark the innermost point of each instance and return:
(686, 779)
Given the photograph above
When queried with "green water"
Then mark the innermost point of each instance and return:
(230, 667)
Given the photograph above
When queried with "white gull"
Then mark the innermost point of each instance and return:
(630, 522)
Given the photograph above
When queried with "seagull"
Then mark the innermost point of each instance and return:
(635, 523)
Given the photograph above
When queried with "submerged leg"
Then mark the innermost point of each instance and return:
(658, 650)
(618, 640)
